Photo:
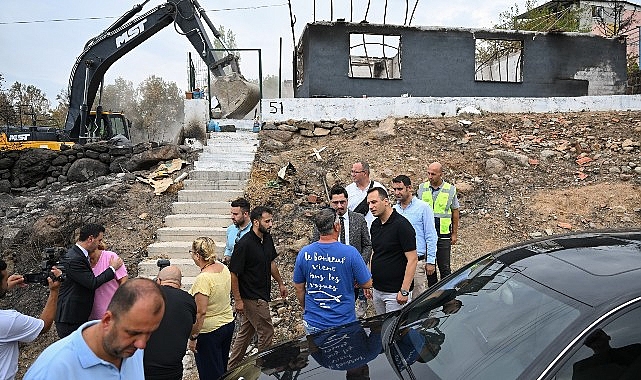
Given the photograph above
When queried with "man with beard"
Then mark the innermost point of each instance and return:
(240, 226)
(111, 347)
(252, 266)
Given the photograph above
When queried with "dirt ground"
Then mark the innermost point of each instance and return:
(519, 176)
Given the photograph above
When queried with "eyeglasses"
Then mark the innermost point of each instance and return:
(358, 171)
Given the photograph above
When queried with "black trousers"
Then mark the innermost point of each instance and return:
(443, 254)
(63, 329)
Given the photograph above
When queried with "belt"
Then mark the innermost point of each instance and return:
(421, 257)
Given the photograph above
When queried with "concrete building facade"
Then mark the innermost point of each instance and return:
(341, 59)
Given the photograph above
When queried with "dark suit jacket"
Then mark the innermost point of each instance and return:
(358, 235)
(77, 290)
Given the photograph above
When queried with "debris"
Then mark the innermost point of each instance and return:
(583, 160)
(181, 177)
(564, 225)
(317, 153)
(143, 216)
(287, 170)
(581, 176)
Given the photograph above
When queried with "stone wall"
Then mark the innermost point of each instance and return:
(23, 169)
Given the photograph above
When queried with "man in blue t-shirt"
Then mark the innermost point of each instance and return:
(324, 276)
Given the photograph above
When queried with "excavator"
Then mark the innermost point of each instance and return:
(237, 96)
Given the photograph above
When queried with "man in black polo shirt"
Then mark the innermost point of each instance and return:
(252, 266)
(393, 254)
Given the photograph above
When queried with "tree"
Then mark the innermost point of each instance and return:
(30, 104)
(120, 97)
(160, 105)
(555, 17)
(7, 115)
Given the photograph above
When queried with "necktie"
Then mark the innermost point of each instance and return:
(342, 237)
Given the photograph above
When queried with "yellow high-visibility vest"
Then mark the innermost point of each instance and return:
(441, 205)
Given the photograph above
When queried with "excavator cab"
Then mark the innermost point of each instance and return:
(107, 124)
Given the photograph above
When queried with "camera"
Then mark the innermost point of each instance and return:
(51, 257)
(162, 263)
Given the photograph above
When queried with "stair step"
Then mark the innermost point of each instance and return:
(195, 220)
(223, 166)
(149, 268)
(208, 195)
(219, 174)
(190, 233)
(229, 184)
(214, 207)
(177, 249)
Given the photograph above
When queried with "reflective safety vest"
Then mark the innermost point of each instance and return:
(441, 205)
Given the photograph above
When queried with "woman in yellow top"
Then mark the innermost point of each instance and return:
(212, 333)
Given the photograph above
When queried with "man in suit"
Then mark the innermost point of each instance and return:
(354, 232)
(77, 291)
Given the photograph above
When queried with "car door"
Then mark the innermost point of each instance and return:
(610, 349)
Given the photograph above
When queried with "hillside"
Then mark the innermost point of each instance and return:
(519, 177)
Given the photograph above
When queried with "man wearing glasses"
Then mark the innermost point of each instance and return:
(357, 190)
(353, 232)
(240, 226)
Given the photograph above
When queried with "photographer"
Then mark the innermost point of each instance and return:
(16, 327)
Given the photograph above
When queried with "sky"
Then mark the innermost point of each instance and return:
(36, 49)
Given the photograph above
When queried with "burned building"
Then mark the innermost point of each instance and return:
(342, 59)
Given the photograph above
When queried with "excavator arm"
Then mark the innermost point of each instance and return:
(127, 33)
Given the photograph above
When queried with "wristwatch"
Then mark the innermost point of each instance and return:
(193, 337)
(405, 293)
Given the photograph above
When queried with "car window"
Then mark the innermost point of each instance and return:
(492, 324)
(612, 351)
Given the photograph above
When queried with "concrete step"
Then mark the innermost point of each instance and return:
(223, 166)
(190, 233)
(223, 184)
(246, 158)
(195, 220)
(177, 249)
(219, 175)
(214, 148)
(208, 195)
(213, 207)
(149, 268)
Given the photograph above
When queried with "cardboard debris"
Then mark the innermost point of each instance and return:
(159, 179)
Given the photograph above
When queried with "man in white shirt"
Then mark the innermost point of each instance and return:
(16, 327)
(357, 191)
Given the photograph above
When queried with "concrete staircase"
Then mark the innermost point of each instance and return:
(219, 176)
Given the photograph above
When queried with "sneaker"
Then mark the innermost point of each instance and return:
(361, 308)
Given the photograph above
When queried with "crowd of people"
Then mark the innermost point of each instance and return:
(364, 247)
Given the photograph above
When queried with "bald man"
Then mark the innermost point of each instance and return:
(441, 196)
(167, 346)
(111, 347)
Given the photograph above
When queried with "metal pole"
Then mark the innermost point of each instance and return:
(260, 82)
(280, 66)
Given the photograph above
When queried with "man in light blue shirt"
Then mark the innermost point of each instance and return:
(240, 226)
(110, 348)
(421, 217)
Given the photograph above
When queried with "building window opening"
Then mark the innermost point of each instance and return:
(498, 61)
(374, 56)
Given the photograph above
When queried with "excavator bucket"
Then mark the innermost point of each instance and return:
(237, 96)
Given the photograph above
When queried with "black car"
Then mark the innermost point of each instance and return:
(567, 307)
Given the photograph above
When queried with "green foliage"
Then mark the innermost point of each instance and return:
(23, 104)
(556, 17)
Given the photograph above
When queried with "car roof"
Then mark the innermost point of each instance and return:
(594, 267)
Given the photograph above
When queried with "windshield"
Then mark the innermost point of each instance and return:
(489, 322)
